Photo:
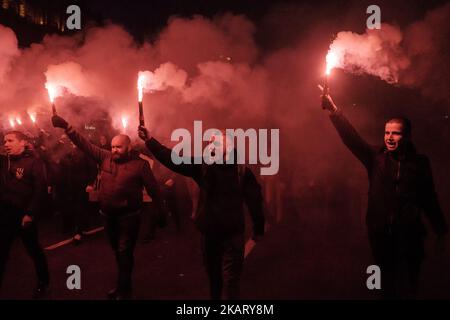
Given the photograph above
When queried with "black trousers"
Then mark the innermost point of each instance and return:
(75, 217)
(10, 227)
(224, 259)
(150, 225)
(399, 254)
(122, 234)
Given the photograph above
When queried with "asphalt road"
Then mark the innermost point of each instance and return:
(303, 257)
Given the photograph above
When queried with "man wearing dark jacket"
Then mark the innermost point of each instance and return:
(224, 188)
(123, 177)
(400, 189)
(76, 172)
(22, 190)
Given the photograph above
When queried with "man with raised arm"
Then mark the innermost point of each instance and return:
(224, 189)
(123, 177)
(401, 189)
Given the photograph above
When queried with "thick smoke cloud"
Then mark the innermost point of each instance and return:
(427, 46)
(8, 50)
(416, 57)
(213, 70)
(377, 52)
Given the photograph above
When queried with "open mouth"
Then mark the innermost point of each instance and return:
(390, 144)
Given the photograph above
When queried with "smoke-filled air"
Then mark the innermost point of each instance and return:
(214, 70)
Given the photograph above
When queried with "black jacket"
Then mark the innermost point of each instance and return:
(223, 192)
(23, 184)
(122, 182)
(400, 184)
(75, 171)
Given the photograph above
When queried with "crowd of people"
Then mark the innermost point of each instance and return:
(130, 180)
(72, 177)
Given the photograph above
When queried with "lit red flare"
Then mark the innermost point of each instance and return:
(51, 89)
(332, 62)
(32, 116)
(124, 122)
(53, 92)
(12, 123)
(140, 86)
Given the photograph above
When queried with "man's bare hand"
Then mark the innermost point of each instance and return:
(327, 101)
(143, 133)
(169, 183)
(27, 221)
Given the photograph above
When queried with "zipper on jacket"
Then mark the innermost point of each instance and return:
(397, 178)
(397, 183)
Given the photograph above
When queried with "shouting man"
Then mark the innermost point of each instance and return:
(400, 189)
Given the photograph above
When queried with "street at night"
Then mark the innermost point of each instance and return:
(264, 152)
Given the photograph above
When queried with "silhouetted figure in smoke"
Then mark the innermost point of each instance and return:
(103, 143)
(22, 188)
(76, 171)
(152, 216)
(224, 188)
(176, 196)
(123, 177)
(178, 199)
(401, 188)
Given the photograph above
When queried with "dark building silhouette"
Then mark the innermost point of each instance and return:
(31, 20)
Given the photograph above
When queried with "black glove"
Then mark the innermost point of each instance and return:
(59, 122)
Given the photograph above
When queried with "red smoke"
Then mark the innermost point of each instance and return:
(213, 70)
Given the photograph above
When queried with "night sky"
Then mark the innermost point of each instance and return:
(144, 19)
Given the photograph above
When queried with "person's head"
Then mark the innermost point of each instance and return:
(220, 141)
(103, 140)
(397, 131)
(15, 142)
(120, 146)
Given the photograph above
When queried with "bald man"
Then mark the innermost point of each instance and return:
(123, 177)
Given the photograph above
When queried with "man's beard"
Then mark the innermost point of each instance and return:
(119, 156)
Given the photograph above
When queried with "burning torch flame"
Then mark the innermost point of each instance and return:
(140, 86)
(332, 62)
(12, 123)
(124, 122)
(51, 92)
(32, 116)
(19, 121)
